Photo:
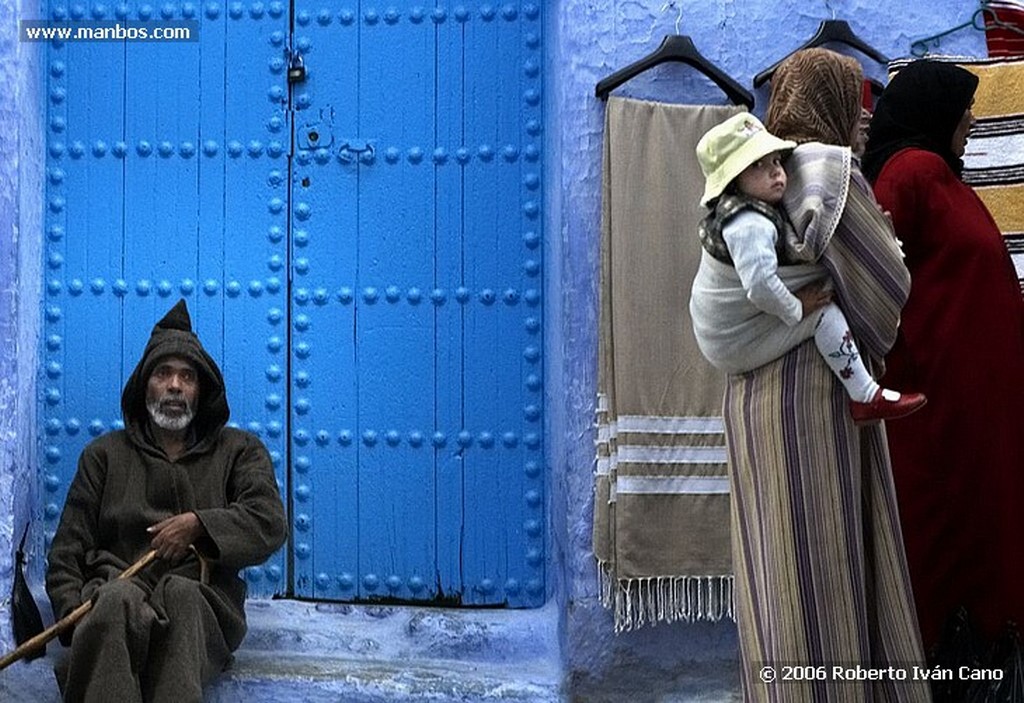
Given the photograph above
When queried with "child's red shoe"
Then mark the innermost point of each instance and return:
(886, 408)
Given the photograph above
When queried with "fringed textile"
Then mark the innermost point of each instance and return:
(661, 511)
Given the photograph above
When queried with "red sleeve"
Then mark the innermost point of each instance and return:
(903, 189)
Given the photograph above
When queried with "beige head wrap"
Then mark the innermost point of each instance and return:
(816, 97)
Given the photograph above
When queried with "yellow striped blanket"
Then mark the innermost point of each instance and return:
(994, 161)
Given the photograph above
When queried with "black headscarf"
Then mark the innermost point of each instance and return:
(921, 107)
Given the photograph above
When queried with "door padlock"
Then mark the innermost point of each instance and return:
(296, 69)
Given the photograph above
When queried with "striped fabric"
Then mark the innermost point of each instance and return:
(1004, 28)
(871, 283)
(820, 571)
(994, 161)
(661, 511)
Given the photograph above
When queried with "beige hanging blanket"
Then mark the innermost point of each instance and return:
(661, 512)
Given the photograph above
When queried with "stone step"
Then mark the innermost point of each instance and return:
(297, 651)
(264, 677)
(269, 678)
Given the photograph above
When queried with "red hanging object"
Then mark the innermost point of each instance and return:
(867, 98)
(1004, 27)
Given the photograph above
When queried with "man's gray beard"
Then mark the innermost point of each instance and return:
(167, 422)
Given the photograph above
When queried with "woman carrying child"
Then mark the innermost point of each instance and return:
(748, 235)
(821, 575)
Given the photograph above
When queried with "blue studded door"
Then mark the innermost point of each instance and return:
(416, 316)
(348, 196)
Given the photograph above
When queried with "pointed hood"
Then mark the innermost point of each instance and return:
(173, 336)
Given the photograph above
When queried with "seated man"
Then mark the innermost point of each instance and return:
(177, 481)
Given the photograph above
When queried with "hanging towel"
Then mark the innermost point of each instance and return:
(994, 161)
(661, 513)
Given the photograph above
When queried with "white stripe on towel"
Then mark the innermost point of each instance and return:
(672, 484)
(654, 424)
(633, 454)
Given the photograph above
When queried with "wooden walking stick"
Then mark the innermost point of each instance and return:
(71, 618)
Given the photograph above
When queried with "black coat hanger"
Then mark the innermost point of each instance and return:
(837, 31)
(677, 47)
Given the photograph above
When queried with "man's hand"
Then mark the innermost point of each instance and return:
(172, 537)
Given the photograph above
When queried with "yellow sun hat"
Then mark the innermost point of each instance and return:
(726, 150)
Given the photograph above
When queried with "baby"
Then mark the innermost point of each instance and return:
(746, 229)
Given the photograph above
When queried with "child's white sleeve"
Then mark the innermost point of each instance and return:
(750, 238)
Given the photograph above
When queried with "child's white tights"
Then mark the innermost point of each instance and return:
(835, 342)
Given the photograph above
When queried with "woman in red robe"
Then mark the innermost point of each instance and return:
(959, 461)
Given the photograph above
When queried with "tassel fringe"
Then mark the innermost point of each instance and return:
(606, 584)
(648, 601)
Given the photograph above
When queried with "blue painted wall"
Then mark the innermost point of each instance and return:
(586, 40)
(21, 166)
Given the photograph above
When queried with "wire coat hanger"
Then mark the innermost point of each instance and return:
(676, 48)
(920, 47)
(833, 30)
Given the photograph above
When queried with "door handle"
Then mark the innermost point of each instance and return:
(352, 149)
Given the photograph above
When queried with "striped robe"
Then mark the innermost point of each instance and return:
(821, 576)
